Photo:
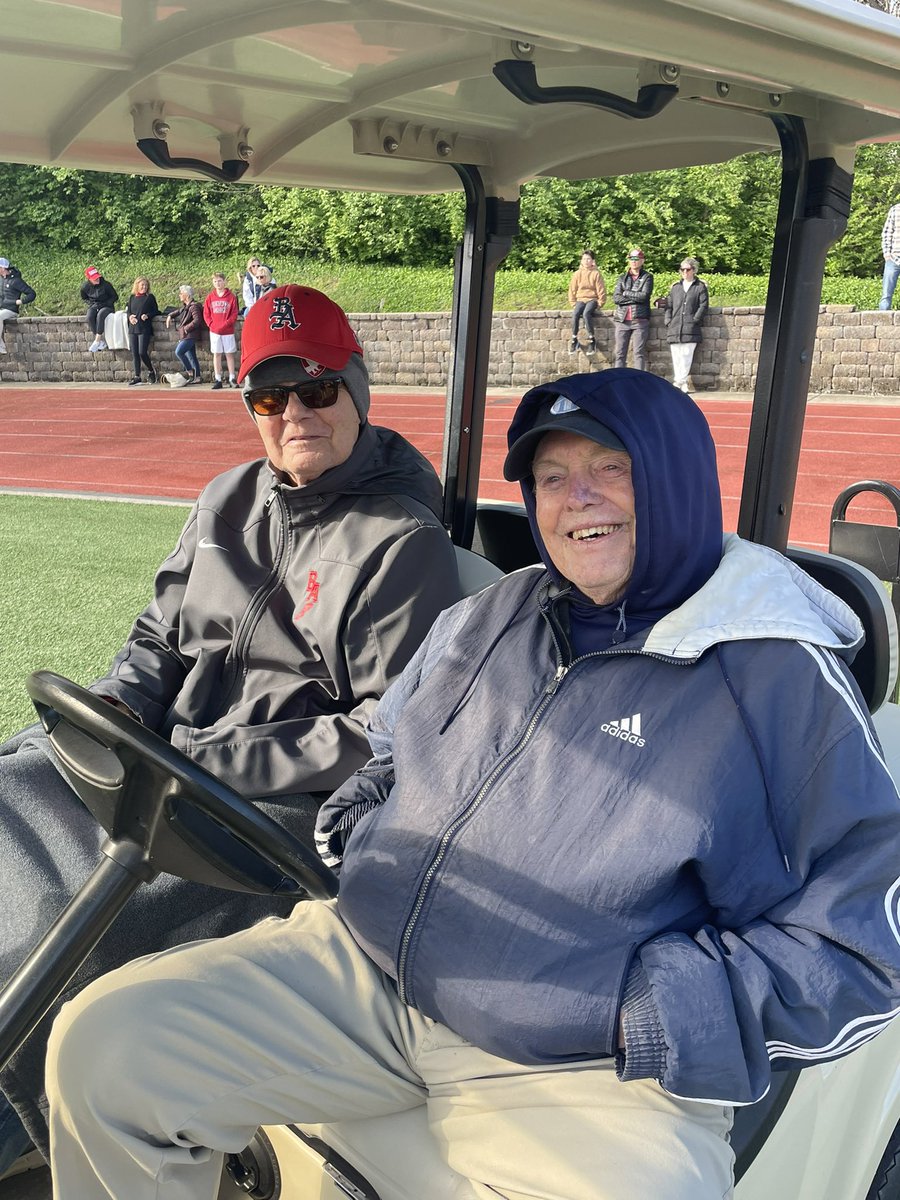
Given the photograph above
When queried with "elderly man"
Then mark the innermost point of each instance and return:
(622, 850)
(300, 587)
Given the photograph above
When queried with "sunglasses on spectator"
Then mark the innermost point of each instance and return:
(635, 257)
(688, 268)
(272, 401)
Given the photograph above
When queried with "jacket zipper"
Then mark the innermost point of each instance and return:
(472, 807)
(562, 669)
(259, 601)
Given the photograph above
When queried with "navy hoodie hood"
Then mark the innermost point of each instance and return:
(678, 505)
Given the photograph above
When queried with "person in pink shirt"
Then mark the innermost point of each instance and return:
(220, 311)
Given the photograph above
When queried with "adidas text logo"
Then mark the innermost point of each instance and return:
(626, 729)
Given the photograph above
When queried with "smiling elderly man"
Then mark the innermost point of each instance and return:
(626, 846)
(300, 587)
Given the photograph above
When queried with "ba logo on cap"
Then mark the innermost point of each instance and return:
(282, 315)
(312, 368)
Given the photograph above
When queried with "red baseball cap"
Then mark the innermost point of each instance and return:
(92, 273)
(298, 321)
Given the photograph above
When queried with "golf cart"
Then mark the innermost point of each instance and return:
(407, 96)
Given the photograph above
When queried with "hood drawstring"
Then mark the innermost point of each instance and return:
(620, 633)
(479, 666)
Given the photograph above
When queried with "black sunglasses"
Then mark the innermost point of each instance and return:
(272, 401)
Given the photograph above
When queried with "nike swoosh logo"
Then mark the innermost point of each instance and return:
(206, 544)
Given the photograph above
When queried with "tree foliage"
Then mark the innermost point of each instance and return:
(722, 214)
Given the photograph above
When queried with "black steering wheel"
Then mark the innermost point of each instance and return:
(144, 792)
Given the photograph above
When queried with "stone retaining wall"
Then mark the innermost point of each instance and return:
(854, 351)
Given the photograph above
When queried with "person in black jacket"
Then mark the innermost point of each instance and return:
(686, 306)
(141, 309)
(631, 315)
(101, 298)
(14, 293)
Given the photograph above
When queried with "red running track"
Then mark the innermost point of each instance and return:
(161, 443)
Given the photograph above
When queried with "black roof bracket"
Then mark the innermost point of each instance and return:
(520, 78)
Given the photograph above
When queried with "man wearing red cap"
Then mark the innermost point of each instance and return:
(300, 587)
(101, 298)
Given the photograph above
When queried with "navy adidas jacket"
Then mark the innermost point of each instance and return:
(690, 830)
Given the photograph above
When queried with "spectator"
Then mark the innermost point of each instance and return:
(264, 281)
(890, 248)
(631, 296)
(599, 880)
(101, 298)
(188, 321)
(249, 286)
(220, 312)
(587, 292)
(14, 294)
(141, 309)
(686, 306)
(300, 587)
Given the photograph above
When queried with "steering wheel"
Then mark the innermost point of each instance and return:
(145, 792)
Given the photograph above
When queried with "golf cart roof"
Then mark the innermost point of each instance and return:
(384, 94)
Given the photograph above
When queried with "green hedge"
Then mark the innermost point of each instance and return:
(57, 279)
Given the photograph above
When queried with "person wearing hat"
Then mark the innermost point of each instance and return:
(631, 314)
(14, 293)
(300, 587)
(625, 847)
(101, 298)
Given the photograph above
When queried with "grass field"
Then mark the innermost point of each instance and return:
(75, 574)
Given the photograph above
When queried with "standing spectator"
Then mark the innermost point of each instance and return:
(141, 309)
(587, 292)
(890, 248)
(632, 312)
(101, 298)
(14, 292)
(220, 312)
(189, 322)
(686, 306)
(250, 285)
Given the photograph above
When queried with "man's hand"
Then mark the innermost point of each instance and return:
(122, 707)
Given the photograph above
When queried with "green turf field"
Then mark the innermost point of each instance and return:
(73, 576)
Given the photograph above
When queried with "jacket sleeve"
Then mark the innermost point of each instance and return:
(670, 303)
(619, 289)
(887, 232)
(233, 313)
(149, 670)
(112, 296)
(193, 326)
(27, 294)
(247, 291)
(702, 303)
(810, 975)
(84, 293)
(601, 290)
(152, 307)
(392, 611)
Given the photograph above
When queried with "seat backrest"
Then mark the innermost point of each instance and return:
(475, 572)
(875, 666)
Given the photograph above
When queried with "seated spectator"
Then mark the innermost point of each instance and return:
(587, 292)
(101, 298)
(188, 321)
(141, 309)
(14, 294)
(625, 847)
(262, 655)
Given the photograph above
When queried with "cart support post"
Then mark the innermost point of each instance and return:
(491, 225)
(812, 215)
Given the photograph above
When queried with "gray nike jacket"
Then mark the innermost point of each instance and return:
(283, 614)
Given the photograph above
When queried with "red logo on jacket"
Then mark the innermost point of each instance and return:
(312, 595)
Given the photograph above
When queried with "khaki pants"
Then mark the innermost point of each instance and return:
(290, 1021)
